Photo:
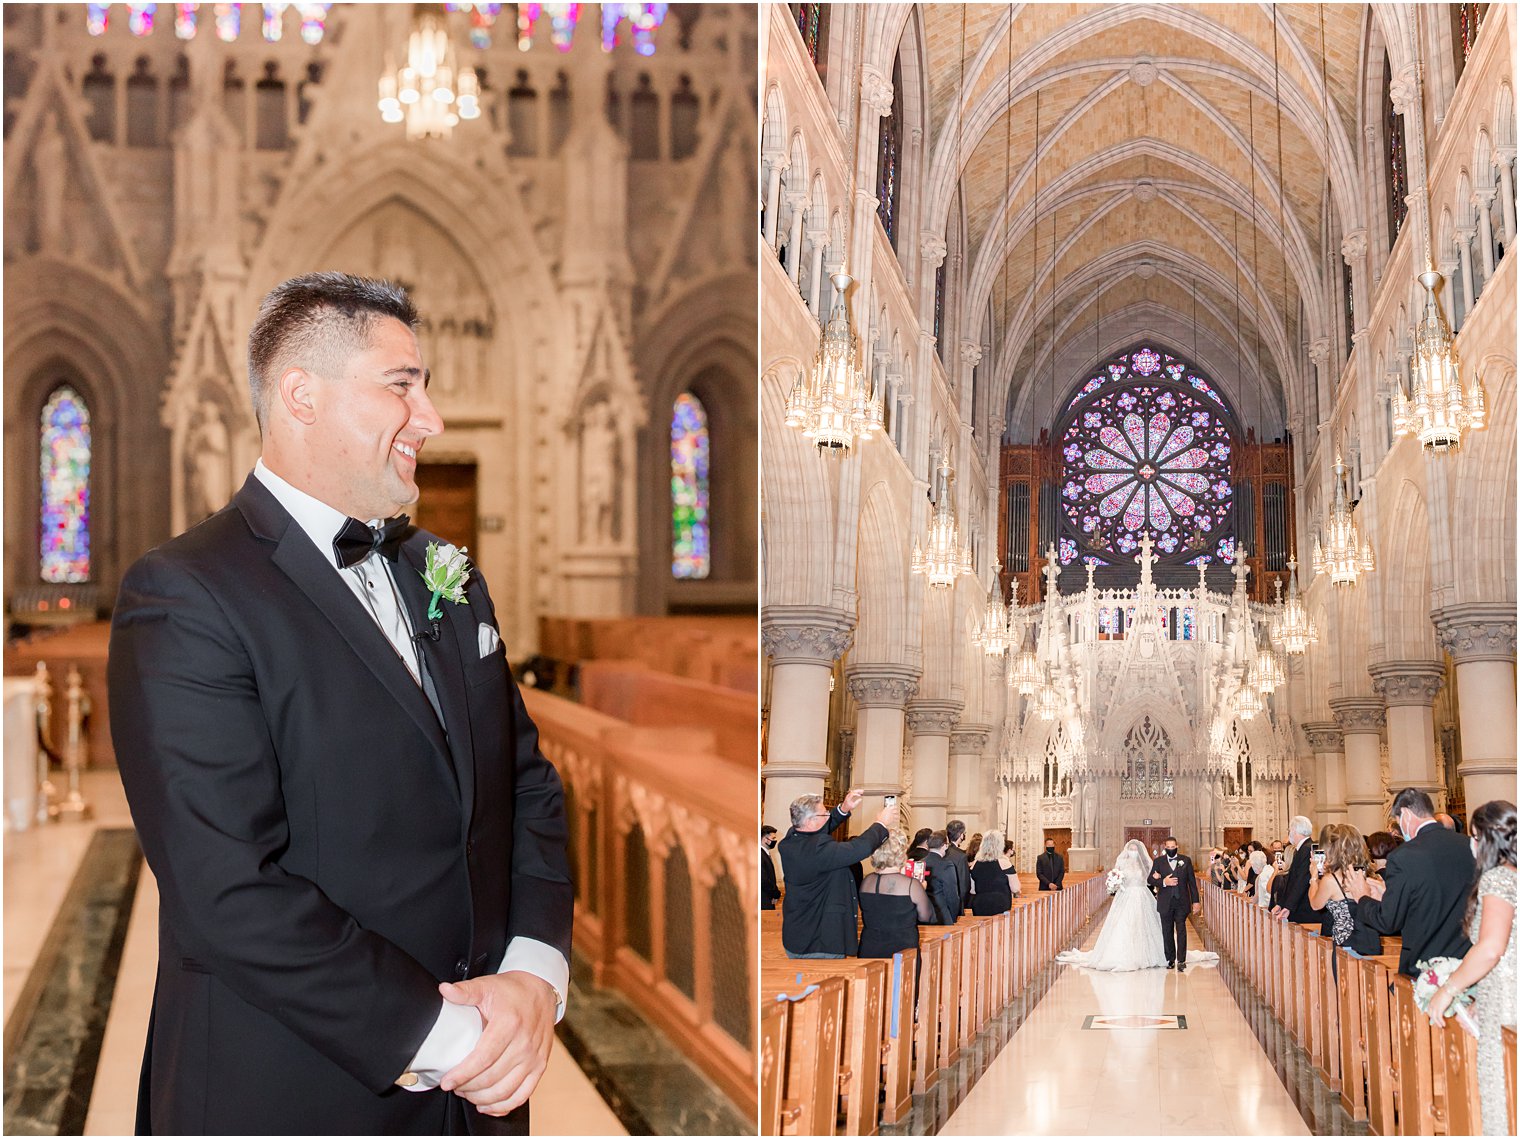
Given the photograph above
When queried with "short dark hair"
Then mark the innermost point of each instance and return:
(317, 321)
(955, 830)
(923, 833)
(1414, 800)
(765, 830)
(938, 841)
(1169, 838)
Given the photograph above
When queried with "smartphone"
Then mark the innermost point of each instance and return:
(1319, 858)
(891, 800)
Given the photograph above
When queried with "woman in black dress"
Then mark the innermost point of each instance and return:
(892, 905)
(992, 883)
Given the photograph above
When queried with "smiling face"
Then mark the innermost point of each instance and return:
(364, 427)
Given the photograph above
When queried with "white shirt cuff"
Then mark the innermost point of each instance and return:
(458, 1027)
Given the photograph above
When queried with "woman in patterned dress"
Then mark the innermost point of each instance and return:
(1490, 963)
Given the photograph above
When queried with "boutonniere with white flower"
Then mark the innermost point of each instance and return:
(445, 573)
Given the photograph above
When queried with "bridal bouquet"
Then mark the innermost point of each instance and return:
(1431, 976)
(1115, 880)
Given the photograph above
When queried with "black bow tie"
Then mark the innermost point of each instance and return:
(356, 540)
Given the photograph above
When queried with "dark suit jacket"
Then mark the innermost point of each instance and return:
(1050, 869)
(325, 853)
(819, 912)
(962, 873)
(1184, 893)
(769, 891)
(944, 889)
(1294, 896)
(1428, 879)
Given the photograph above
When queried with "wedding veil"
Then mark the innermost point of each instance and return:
(1134, 861)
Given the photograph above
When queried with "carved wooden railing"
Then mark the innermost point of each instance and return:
(662, 846)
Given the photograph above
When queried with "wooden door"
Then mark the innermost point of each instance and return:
(1062, 835)
(447, 501)
(1236, 837)
(1153, 837)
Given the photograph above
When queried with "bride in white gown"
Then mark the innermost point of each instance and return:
(1131, 935)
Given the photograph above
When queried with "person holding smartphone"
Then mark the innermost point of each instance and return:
(1293, 895)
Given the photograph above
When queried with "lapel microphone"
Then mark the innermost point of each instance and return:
(431, 633)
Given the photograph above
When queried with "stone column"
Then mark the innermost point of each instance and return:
(803, 643)
(1482, 200)
(880, 692)
(1504, 155)
(1464, 237)
(1408, 688)
(931, 722)
(1324, 737)
(798, 201)
(1481, 640)
(966, 801)
(1361, 719)
(818, 240)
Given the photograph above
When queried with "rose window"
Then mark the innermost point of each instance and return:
(1143, 453)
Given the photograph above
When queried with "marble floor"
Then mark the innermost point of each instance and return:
(39, 867)
(1055, 1077)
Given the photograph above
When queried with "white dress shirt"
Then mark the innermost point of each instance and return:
(458, 1027)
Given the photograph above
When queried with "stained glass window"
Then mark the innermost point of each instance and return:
(939, 310)
(1398, 174)
(1466, 19)
(1143, 453)
(65, 487)
(813, 23)
(1189, 627)
(889, 158)
(691, 548)
(1346, 290)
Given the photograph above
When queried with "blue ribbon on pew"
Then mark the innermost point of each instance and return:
(897, 980)
(807, 992)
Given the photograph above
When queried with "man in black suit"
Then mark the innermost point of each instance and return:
(1050, 868)
(1423, 895)
(943, 886)
(1176, 891)
(769, 891)
(1293, 898)
(955, 832)
(360, 850)
(819, 915)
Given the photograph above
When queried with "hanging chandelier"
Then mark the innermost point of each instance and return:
(1345, 555)
(431, 94)
(1247, 702)
(1025, 673)
(832, 402)
(1048, 702)
(942, 558)
(1293, 628)
(1268, 673)
(1439, 411)
(994, 632)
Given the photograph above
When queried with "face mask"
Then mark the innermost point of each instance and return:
(1171, 852)
(1050, 850)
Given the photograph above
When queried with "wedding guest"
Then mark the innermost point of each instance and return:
(818, 914)
(1050, 868)
(1424, 887)
(955, 831)
(944, 885)
(1344, 850)
(1265, 872)
(769, 891)
(993, 884)
(892, 905)
(1490, 964)
(917, 848)
(1008, 857)
(1218, 867)
(1293, 896)
(1379, 843)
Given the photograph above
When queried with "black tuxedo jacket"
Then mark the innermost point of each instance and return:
(944, 889)
(962, 865)
(820, 911)
(325, 852)
(1184, 893)
(769, 891)
(1428, 879)
(1050, 869)
(1294, 896)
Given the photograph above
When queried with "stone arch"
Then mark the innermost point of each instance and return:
(881, 580)
(1483, 513)
(1404, 566)
(797, 502)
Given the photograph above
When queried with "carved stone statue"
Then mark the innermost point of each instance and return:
(601, 474)
(208, 464)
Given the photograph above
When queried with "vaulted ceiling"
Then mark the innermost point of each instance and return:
(1119, 166)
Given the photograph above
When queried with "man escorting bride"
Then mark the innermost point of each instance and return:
(1132, 937)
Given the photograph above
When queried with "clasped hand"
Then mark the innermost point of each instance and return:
(501, 1072)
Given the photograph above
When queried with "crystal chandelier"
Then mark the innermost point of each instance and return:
(1247, 702)
(994, 633)
(430, 94)
(1345, 555)
(1293, 628)
(1439, 411)
(832, 403)
(1025, 673)
(1267, 673)
(943, 558)
(1048, 703)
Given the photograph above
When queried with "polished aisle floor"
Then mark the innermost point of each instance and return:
(39, 866)
(1057, 1077)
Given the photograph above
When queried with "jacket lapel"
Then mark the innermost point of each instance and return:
(445, 659)
(315, 577)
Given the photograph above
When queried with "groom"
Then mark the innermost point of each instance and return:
(1176, 891)
(365, 902)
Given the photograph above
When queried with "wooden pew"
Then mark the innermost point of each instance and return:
(774, 1024)
(1382, 1059)
(1416, 1098)
(1456, 1053)
(1509, 1074)
(1351, 998)
(810, 1099)
(897, 1069)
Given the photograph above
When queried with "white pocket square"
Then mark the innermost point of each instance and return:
(489, 638)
